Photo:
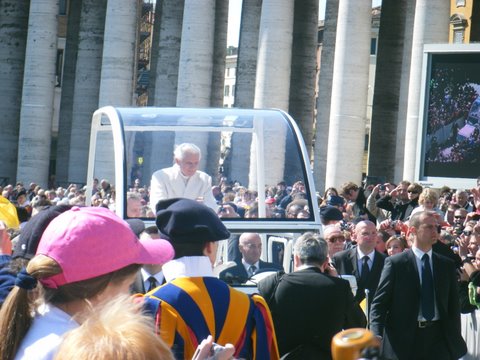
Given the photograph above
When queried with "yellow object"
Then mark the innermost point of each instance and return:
(348, 344)
(8, 213)
(363, 306)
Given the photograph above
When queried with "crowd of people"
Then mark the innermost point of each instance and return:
(412, 251)
(450, 99)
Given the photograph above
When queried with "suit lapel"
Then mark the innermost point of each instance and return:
(138, 285)
(439, 281)
(412, 269)
(377, 264)
(352, 256)
(241, 270)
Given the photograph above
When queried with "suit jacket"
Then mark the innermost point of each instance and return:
(168, 183)
(395, 308)
(138, 286)
(309, 308)
(238, 275)
(346, 264)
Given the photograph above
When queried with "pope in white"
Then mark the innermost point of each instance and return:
(183, 179)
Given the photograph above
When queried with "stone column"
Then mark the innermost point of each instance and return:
(272, 87)
(86, 88)
(196, 54)
(167, 33)
(245, 86)
(68, 91)
(163, 84)
(349, 93)
(403, 100)
(324, 98)
(196, 65)
(118, 60)
(430, 26)
(13, 40)
(247, 53)
(38, 93)
(388, 76)
(117, 76)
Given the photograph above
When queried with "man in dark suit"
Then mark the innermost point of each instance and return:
(250, 245)
(416, 308)
(149, 276)
(309, 306)
(362, 261)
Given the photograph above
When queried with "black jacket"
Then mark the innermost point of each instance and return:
(346, 264)
(398, 211)
(395, 308)
(238, 275)
(308, 308)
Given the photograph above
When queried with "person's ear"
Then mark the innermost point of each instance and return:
(296, 261)
(208, 249)
(411, 230)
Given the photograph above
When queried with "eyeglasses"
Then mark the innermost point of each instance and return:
(334, 239)
(459, 217)
(252, 246)
(467, 232)
(412, 192)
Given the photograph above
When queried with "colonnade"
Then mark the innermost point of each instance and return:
(276, 68)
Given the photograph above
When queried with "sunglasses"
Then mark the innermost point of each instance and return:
(459, 217)
(335, 239)
(412, 192)
(467, 232)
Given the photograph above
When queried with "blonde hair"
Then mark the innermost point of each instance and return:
(16, 314)
(116, 330)
(428, 194)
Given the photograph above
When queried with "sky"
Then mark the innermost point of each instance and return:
(235, 11)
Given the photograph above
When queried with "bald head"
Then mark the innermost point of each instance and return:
(250, 245)
(366, 236)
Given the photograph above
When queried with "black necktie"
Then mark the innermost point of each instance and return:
(153, 283)
(428, 305)
(365, 271)
(251, 270)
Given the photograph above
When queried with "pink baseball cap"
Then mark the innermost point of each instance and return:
(91, 241)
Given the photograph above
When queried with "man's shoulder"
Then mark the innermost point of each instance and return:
(345, 253)
(269, 265)
(406, 255)
(234, 274)
(380, 255)
(172, 170)
(202, 175)
(443, 259)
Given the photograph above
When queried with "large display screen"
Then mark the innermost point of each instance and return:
(451, 123)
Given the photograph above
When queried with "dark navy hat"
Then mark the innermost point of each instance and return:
(136, 225)
(29, 237)
(328, 213)
(182, 220)
(335, 200)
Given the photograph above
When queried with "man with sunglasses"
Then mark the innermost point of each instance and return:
(400, 209)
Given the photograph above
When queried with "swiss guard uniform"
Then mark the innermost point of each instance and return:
(194, 303)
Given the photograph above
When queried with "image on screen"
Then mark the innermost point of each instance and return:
(452, 117)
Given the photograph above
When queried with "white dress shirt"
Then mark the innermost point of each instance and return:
(171, 183)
